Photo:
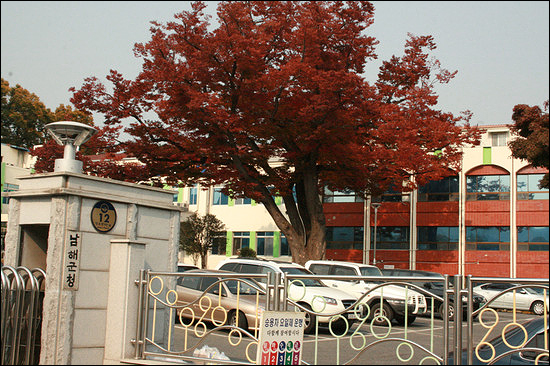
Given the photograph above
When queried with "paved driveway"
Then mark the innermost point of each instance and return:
(324, 348)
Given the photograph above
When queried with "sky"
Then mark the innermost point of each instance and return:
(500, 49)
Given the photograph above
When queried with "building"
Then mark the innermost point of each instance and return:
(16, 162)
(489, 220)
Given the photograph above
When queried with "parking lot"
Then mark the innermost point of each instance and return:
(362, 343)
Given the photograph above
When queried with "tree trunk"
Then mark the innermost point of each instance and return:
(305, 228)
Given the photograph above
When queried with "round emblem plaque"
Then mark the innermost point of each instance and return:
(103, 216)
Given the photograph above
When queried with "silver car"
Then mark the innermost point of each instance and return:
(525, 298)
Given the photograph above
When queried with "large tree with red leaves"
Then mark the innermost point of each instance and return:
(273, 102)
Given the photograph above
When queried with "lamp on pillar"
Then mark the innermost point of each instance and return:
(71, 135)
(375, 205)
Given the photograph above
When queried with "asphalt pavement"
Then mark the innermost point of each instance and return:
(362, 344)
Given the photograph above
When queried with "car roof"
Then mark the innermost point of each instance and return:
(339, 262)
(412, 271)
(207, 271)
(262, 261)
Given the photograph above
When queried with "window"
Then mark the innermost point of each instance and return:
(244, 288)
(285, 249)
(209, 281)
(344, 237)
(445, 189)
(320, 269)
(344, 271)
(487, 187)
(193, 195)
(499, 138)
(243, 201)
(487, 238)
(241, 239)
(533, 238)
(264, 243)
(391, 195)
(528, 187)
(219, 198)
(191, 282)
(390, 237)
(219, 242)
(438, 237)
(340, 196)
(9, 188)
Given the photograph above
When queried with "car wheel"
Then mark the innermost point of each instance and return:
(243, 324)
(309, 319)
(538, 307)
(410, 320)
(451, 311)
(387, 312)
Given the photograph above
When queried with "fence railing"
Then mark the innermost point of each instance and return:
(21, 322)
(204, 316)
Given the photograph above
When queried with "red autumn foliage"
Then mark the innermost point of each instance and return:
(282, 82)
(531, 125)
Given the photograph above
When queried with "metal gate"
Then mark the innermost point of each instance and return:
(196, 327)
(22, 297)
(173, 330)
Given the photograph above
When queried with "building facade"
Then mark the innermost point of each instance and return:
(16, 162)
(490, 219)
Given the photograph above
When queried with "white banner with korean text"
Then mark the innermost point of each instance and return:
(281, 338)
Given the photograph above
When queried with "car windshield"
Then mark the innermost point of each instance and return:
(307, 281)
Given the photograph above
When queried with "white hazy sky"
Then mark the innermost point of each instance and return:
(500, 49)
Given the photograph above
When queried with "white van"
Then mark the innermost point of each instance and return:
(393, 297)
(314, 295)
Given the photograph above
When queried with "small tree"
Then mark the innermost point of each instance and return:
(198, 235)
(247, 252)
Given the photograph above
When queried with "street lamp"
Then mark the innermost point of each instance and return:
(71, 135)
(375, 205)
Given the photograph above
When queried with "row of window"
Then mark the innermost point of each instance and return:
(266, 243)
(494, 238)
(478, 188)
(530, 238)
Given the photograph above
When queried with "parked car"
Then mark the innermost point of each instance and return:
(534, 338)
(311, 295)
(526, 298)
(437, 288)
(182, 267)
(191, 288)
(393, 297)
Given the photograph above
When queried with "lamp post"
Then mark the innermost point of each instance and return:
(375, 205)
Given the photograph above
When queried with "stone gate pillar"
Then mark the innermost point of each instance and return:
(92, 236)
